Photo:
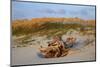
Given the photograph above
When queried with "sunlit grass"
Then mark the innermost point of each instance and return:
(49, 26)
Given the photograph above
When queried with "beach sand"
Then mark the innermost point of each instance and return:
(29, 55)
(82, 51)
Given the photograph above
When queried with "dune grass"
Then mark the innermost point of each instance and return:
(43, 29)
(49, 26)
(50, 29)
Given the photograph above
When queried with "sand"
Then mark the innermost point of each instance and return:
(82, 51)
(29, 55)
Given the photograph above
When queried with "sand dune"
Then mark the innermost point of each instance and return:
(84, 50)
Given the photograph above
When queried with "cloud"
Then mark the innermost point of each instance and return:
(61, 11)
(52, 11)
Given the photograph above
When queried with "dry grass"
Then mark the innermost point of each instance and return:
(48, 26)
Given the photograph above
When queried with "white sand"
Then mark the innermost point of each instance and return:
(29, 55)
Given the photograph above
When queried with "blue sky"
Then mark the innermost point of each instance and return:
(29, 10)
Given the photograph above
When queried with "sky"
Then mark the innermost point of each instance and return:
(29, 10)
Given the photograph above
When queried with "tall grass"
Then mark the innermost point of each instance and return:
(46, 26)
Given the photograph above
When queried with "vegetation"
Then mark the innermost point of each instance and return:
(49, 26)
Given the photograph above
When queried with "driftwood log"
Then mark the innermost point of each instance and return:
(56, 50)
(53, 51)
